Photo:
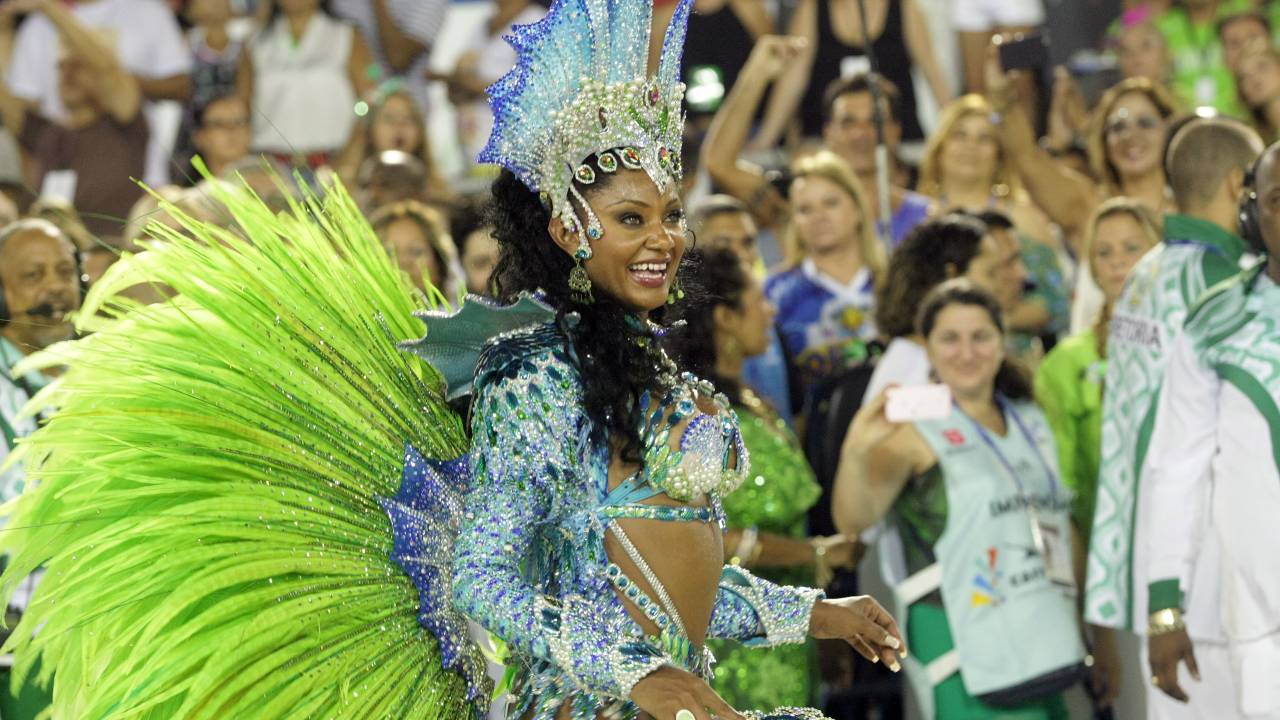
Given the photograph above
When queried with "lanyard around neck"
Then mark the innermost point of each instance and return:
(1008, 410)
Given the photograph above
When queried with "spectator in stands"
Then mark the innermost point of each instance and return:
(721, 35)
(833, 34)
(824, 293)
(39, 287)
(849, 132)
(723, 222)
(937, 250)
(1241, 23)
(767, 529)
(1125, 142)
(983, 521)
(103, 141)
(389, 177)
(217, 40)
(399, 35)
(1200, 74)
(301, 76)
(1258, 79)
(394, 123)
(147, 42)
(1030, 289)
(418, 238)
(479, 258)
(1069, 381)
(979, 21)
(63, 214)
(1141, 47)
(222, 133)
(965, 168)
(485, 59)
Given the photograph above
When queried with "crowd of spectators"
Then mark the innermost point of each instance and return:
(849, 193)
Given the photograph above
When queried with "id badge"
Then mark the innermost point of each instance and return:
(1055, 541)
(1206, 90)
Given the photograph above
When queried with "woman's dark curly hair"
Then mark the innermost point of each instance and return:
(617, 361)
(719, 278)
(931, 253)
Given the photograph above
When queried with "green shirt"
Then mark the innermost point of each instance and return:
(14, 395)
(1199, 76)
(1068, 388)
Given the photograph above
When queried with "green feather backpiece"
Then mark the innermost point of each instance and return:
(204, 499)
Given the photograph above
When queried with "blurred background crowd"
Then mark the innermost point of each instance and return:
(1020, 144)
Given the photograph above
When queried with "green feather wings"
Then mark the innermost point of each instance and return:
(204, 499)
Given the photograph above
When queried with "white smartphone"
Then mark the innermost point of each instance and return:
(918, 402)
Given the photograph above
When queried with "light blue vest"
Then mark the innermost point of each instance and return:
(1012, 625)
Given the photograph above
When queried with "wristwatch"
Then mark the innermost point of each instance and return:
(1165, 621)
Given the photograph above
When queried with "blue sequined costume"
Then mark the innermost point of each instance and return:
(530, 562)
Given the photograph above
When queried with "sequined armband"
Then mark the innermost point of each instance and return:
(781, 612)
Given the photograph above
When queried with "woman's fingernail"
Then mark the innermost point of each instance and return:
(895, 666)
(892, 642)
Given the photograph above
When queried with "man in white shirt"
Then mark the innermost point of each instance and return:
(148, 43)
(1212, 480)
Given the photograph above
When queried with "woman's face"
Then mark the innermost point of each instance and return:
(404, 239)
(395, 126)
(479, 260)
(748, 323)
(298, 7)
(1118, 244)
(970, 152)
(1259, 78)
(635, 261)
(1134, 135)
(826, 216)
(965, 349)
(1143, 54)
(208, 12)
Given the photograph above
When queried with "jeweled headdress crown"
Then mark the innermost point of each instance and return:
(581, 87)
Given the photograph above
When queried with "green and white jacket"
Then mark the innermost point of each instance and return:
(1169, 279)
(1213, 484)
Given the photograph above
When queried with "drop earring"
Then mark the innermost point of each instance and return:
(579, 281)
(676, 292)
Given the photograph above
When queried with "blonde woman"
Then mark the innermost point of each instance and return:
(825, 291)
(965, 168)
(1125, 142)
(1069, 381)
(417, 236)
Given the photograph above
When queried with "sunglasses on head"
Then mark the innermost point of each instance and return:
(1124, 122)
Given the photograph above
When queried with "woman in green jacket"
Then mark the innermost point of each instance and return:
(1068, 384)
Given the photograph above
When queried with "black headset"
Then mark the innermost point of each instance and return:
(1250, 227)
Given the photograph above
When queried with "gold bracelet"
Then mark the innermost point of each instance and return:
(1165, 621)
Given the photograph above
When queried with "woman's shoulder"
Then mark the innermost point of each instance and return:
(1075, 352)
(538, 353)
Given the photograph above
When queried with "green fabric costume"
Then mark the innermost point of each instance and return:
(1068, 387)
(775, 499)
(228, 558)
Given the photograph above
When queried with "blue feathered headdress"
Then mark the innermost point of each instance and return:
(581, 87)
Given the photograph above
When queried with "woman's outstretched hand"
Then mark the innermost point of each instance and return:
(861, 622)
(666, 691)
(870, 426)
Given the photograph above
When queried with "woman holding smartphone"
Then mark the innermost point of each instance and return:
(975, 494)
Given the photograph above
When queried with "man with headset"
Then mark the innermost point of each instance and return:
(39, 288)
(1213, 485)
(1207, 161)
